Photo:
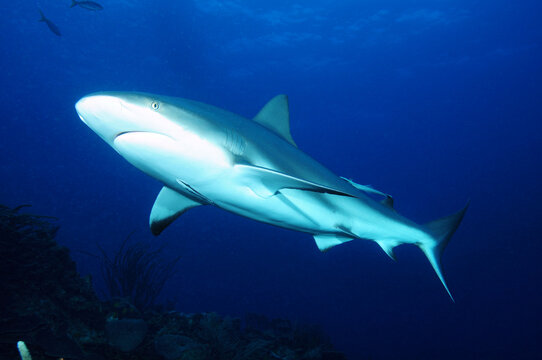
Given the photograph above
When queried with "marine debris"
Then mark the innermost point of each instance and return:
(49, 311)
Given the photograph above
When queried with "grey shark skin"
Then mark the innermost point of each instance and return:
(251, 167)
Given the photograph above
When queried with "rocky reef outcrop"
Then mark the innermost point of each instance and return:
(50, 307)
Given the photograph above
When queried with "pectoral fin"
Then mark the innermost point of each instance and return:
(168, 206)
(266, 182)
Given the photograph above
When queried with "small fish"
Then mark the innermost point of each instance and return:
(51, 25)
(89, 5)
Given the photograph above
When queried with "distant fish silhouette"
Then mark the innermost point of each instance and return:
(89, 5)
(51, 25)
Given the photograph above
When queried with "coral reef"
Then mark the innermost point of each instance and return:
(55, 312)
(44, 301)
(137, 273)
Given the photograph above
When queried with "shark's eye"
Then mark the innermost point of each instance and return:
(155, 105)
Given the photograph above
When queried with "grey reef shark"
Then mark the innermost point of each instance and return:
(204, 155)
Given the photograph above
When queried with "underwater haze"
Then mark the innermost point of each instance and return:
(434, 102)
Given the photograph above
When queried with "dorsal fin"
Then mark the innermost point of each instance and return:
(388, 199)
(275, 116)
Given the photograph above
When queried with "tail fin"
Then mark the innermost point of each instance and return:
(42, 16)
(442, 231)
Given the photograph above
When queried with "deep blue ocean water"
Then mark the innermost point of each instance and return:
(434, 102)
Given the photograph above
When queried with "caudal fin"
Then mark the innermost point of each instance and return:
(42, 16)
(442, 231)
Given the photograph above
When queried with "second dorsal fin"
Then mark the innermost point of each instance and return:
(275, 116)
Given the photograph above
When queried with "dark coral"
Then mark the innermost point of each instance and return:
(56, 312)
(44, 301)
(137, 273)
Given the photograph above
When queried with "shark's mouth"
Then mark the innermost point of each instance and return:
(139, 132)
(139, 145)
(124, 133)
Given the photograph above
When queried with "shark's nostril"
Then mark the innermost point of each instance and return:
(122, 106)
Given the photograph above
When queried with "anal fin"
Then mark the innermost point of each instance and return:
(388, 248)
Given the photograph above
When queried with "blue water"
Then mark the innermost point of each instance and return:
(433, 102)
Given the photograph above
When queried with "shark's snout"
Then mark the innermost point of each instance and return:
(101, 113)
(98, 106)
(81, 108)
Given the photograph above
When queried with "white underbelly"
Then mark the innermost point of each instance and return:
(299, 210)
(308, 211)
(319, 213)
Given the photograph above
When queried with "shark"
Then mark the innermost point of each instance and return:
(204, 155)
